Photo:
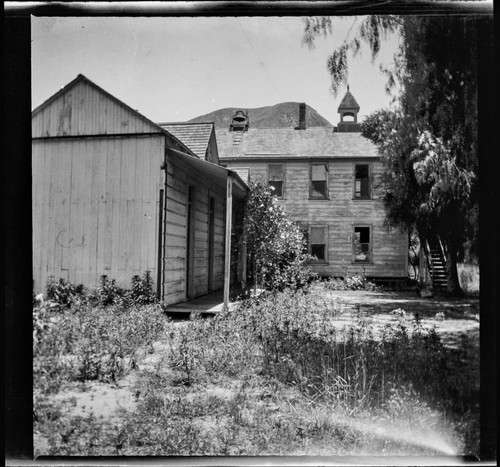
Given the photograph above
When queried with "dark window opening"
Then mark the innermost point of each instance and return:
(317, 242)
(362, 182)
(318, 251)
(276, 179)
(277, 188)
(319, 178)
(361, 244)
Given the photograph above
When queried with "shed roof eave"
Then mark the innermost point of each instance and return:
(218, 172)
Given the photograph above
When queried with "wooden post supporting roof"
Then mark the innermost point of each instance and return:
(227, 256)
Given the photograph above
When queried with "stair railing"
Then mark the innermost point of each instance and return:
(442, 249)
(430, 264)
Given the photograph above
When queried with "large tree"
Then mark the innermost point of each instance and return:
(428, 141)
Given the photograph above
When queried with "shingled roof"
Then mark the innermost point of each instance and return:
(290, 143)
(195, 136)
(348, 102)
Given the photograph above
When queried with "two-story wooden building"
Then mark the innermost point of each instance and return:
(328, 179)
(115, 194)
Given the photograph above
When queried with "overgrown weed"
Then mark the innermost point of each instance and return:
(294, 381)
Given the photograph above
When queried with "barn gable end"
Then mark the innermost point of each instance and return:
(82, 108)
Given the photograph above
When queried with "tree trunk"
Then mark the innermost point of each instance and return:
(453, 284)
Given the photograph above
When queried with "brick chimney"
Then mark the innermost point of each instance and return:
(302, 116)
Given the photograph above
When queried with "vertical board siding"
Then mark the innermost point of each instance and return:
(89, 215)
(85, 110)
(340, 213)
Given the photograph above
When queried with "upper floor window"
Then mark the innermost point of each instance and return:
(361, 244)
(319, 181)
(276, 179)
(362, 189)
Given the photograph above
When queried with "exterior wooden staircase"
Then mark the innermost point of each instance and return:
(437, 264)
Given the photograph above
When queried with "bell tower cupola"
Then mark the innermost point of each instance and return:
(348, 110)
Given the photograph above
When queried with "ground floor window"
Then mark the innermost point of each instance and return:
(318, 242)
(361, 244)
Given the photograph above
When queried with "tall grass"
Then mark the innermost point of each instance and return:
(296, 380)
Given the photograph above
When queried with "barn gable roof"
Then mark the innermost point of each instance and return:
(313, 142)
(196, 136)
(83, 79)
(126, 120)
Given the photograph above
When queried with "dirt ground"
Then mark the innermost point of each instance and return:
(450, 317)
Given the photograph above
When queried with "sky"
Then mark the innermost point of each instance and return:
(174, 69)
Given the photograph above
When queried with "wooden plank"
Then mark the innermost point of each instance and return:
(81, 175)
(110, 176)
(66, 163)
(102, 162)
(227, 265)
(173, 240)
(36, 213)
(61, 209)
(155, 171)
(87, 156)
(176, 194)
(114, 178)
(45, 206)
(176, 206)
(50, 215)
(136, 214)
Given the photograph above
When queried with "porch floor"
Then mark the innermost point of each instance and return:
(207, 304)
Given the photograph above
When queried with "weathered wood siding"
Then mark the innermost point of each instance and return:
(85, 110)
(95, 208)
(179, 178)
(341, 213)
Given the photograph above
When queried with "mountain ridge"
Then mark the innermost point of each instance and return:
(281, 115)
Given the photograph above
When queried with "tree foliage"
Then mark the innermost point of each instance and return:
(428, 141)
(276, 245)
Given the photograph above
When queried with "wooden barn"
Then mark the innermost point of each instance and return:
(328, 179)
(115, 194)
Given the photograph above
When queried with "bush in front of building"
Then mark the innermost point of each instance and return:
(276, 245)
(62, 293)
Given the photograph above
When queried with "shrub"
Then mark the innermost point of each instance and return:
(62, 292)
(356, 282)
(276, 245)
(108, 292)
(142, 289)
(468, 275)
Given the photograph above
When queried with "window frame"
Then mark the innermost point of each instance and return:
(327, 188)
(283, 175)
(325, 238)
(370, 244)
(369, 178)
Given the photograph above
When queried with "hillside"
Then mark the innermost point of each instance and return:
(284, 115)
